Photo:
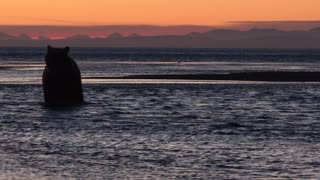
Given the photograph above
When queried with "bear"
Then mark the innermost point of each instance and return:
(61, 78)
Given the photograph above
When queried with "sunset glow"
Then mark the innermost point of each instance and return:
(155, 12)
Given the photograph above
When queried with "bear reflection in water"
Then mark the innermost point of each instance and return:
(61, 78)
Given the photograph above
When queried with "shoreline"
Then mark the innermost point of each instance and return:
(241, 76)
(228, 78)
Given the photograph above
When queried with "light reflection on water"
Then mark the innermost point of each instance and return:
(163, 131)
(24, 72)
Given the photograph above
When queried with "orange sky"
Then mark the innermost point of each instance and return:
(155, 12)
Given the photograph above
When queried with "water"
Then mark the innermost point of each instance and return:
(162, 130)
(25, 65)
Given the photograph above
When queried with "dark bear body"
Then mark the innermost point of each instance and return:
(61, 78)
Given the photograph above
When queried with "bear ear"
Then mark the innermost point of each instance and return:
(67, 49)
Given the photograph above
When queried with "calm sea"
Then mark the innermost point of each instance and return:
(161, 129)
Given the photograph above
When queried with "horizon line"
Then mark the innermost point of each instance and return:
(122, 34)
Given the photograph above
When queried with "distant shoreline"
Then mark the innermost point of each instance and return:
(241, 76)
(196, 79)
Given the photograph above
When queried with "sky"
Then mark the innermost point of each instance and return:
(215, 13)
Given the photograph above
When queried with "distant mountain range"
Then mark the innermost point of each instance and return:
(218, 38)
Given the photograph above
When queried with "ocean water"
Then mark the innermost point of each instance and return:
(25, 65)
(161, 129)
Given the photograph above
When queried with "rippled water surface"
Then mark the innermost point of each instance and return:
(164, 129)
(123, 131)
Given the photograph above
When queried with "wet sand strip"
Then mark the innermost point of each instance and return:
(242, 76)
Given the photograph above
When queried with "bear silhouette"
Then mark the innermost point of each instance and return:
(61, 78)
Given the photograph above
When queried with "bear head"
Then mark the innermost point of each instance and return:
(57, 57)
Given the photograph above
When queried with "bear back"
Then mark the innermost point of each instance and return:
(61, 78)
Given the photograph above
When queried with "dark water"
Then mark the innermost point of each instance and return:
(132, 54)
(165, 132)
(162, 131)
